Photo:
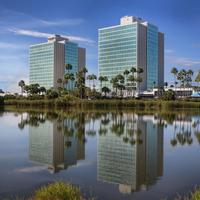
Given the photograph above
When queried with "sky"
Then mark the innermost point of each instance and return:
(26, 22)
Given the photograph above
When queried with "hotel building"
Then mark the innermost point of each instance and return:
(133, 43)
(47, 61)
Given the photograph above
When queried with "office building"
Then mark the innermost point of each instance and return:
(133, 43)
(47, 61)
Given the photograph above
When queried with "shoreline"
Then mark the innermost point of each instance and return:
(104, 103)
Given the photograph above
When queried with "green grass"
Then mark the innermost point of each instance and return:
(66, 102)
(58, 191)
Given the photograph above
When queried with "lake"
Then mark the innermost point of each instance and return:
(108, 154)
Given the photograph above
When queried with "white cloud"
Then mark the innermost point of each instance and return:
(169, 51)
(11, 17)
(13, 86)
(46, 35)
(13, 46)
(182, 61)
(30, 169)
(65, 22)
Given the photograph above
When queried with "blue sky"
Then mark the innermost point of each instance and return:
(25, 22)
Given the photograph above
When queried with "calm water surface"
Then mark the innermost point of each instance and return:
(110, 155)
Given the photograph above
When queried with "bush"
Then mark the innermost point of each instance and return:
(52, 94)
(1, 100)
(58, 191)
(195, 195)
(35, 97)
(9, 96)
(168, 95)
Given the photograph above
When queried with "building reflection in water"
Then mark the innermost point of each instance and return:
(134, 158)
(56, 144)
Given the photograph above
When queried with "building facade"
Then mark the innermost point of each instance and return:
(47, 61)
(133, 43)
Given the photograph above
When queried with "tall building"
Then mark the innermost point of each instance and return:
(133, 43)
(47, 61)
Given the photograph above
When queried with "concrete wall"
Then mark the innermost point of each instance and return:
(142, 54)
(160, 59)
(81, 58)
(59, 62)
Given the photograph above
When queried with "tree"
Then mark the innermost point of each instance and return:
(89, 77)
(68, 77)
(197, 79)
(174, 71)
(154, 84)
(94, 77)
(21, 84)
(42, 90)
(105, 90)
(132, 79)
(120, 83)
(168, 95)
(52, 94)
(59, 81)
(80, 81)
(102, 79)
(34, 88)
(166, 84)
(68, 67)
(139, 79)
(114, 81)
(126, 73)
(182, 77)
(189, 75)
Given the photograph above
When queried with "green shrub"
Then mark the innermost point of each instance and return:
(9, 96)
(35, 97)
(52, 94)
(195, 195)
(1, 100)
(58, 191)
(168, 95)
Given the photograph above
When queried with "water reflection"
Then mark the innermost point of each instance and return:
(55, 142)
(129, 146)
(133, 159)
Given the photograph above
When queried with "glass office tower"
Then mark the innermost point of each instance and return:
(47, 61)
(133, 43)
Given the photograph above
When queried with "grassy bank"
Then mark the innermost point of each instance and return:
(58, 191)
(68, 102)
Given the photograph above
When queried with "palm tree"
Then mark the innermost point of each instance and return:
(166, 84)
(59, 81)
(21, 84)
(197, 79)
(101, 79)
(126, 73)
(174, 71)
(94, 77)
(105, 90)
(120, 83)
(132, 79)
(154, 84)
(68, 67)
(114, 83)
(89, 77)
(139, 79)
(68, 77)
(42, 90)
